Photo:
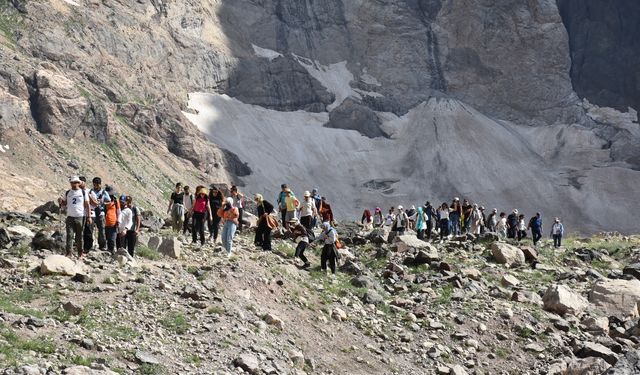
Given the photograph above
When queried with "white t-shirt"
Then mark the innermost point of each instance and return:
(187, 201)
(306, 207)
(90, 194)
(444, 214)
(75, 203)
(237, 201)
(126, 220)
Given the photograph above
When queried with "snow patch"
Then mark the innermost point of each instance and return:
(71, 2)
(266, 53)
(335, 77)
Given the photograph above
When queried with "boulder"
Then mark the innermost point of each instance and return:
(170, 247)
(339, 314)
(560, 299)
(598, 326)
(20, 231)
(509, 281)
(249, 220)
(146, 358)
(5, 238)
(586, 366)
(48, 240)
(377, 236)
(530, 254)
(617, 298)
(273, 320)
(248, 363)
(627, 365)
(58, 265)
(372, 297)
(427, 256)
(507, 254)
(362, 282)
(51, 207)
(84, 370)
(592, 349)
(151, 221)
(154, 242)
(72, 308)
(633, 270)
(407, 242)
(350, 267)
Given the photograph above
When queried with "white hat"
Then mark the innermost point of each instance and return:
(307, 194)
(229, 200)
(400, 208)
(74, 179)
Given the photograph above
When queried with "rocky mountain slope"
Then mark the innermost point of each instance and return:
(465, 306)
(511, 84)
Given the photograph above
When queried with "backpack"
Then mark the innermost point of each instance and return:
(100, 208)
(135, 211)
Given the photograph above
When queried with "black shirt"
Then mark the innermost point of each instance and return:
(177, 198)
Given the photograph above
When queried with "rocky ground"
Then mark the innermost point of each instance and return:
(464, 306)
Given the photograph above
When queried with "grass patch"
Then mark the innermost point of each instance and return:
(147, 253)
(194, 360)
(147, 369)
(216, 310)
(143, 294)
(10, 22)
(287, 249)
(502, 352)
(85, 361)
(175, 322)
(12, 346)
(444, 297)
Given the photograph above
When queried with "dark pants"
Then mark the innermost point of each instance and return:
(511, 232)
(214, 226)
(102, 241)
(454, 224)
(186, 227)
(88, 236)
(198, 227)
(131, 238)
(283, 216)
(537, 235)
(302, 246)
(467, 224)
(328, 254)
(112, 237)
(306, 222)
(444, 228)
(240, 214)
(522, 234)
(74, 233)
(421, 234)
(121, 241)
(263, 236)
(429, 228)
(557, 240)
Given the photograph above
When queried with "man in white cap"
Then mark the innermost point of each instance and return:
(76, 202)
(401, 222)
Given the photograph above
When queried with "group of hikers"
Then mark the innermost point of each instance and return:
(114, 217)
(458, 218)
(117, 220)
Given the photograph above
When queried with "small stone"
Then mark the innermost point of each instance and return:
(248, 363)
(339, 314)
(146, 358)
(533, 347)
(72, 308)
(509, 281)
(273, 320)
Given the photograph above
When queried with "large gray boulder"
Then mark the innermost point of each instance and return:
(560, 299)
(171, 247)
(506, 254)
(59, 265)
(617, 298)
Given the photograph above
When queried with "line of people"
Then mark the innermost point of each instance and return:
(460, 218)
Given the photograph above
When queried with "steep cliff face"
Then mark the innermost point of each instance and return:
(604, 41)
(374, 77)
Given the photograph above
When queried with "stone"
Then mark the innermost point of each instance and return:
(507, 254)
(633, 270)
(20, 231)
(48, 240)
(249, 363)
(561, 299)
(72, 308)
(590, 365)
(534, 347)
(51, 207)
(372, 297)
(154, 242)
(171, 247)
(273, 320)
(592, 349)
(530, 253)
(84, 370)
(81, 278)
(58, 264)
(426, 257)
(472, 273)
(351, 268)
(617, 298)
(509, 281)
(193, 293)
(152, 222)
(629, 364)
(297, 358)
(5, 238)
(144, 357)
(339, 314)
(458, 370)
(362, 282)
(378, 236)
(408, 242)
(598, 326)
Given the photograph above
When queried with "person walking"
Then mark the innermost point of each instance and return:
(421, 222)
(512, 224)
(475, 219)
(430, 215)
(467, 212)
(443, 220)
(328, 237)
(229, 215)
(483, 220)
(88, 225)
(401, 221)
(391, 217)
(411, 216)
(535, 224)
(201, 213)
(557, 231)
(367, 220)
(188, 200)
(131, 238)
(176, 208)
(318, 199)
(454, 217)
(282, 204)
(99, 211)
(238, 202)
(326, 213)
(125, 228)
(265, 224)
(378, 219)
(111, 219)
(291, 203)
(76, 202)
(216, 200)
(299, 231)
(308, 210)
(492, 220)
(522, 228)
(502, 227)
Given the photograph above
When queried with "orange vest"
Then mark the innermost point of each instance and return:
(111, 213)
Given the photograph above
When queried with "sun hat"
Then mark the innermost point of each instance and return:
(74, 179)
(307, 194)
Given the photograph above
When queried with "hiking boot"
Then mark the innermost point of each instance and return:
(306, 266)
